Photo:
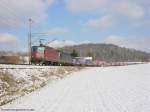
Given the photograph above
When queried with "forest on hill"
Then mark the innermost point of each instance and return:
(107, 52)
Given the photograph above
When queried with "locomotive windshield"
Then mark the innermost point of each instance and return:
(38, 49)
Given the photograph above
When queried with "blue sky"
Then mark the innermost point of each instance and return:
(122, 22)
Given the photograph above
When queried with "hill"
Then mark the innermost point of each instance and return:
(108, 52)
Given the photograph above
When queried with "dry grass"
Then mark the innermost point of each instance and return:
(11, 87)
(8, 87)
(8, 78)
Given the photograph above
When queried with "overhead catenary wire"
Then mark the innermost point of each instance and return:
(10, 17)
(10, 21)
(13, 17)
(10, 12)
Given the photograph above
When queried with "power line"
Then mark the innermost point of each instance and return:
(11, 10)
(12, 16)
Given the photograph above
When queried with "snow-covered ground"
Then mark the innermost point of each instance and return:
(18, 80)
(110, 89)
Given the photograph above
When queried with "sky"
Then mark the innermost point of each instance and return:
(125, 23)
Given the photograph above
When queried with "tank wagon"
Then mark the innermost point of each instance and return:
(45, 55)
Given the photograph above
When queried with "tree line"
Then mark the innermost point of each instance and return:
(107, 52)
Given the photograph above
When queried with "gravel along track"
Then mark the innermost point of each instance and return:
(9, 66)
(111, 89)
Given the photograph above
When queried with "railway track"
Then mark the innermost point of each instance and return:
(25, 66)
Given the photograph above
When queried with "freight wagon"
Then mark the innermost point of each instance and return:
(65, 58)
(9, 59)
(88, 61)
(49, 56)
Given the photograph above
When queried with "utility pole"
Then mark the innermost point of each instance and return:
(30, 40)
(30, 35)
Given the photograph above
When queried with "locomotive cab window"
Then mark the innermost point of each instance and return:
(40, 49)
(34, 49)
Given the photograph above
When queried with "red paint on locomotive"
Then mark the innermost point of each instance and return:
(51, 54)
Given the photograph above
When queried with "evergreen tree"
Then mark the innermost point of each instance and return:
(74, 53)
(90, 54)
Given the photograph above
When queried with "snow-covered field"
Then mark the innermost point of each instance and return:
(18, 80)
(110, 89)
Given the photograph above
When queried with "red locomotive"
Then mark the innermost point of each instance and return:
(49, 56)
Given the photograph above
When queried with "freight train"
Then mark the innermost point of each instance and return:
(6, 59)
(45, 55)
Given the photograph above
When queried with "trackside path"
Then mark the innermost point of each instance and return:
(110, 89)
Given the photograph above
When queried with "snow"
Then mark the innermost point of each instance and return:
(99, 89)
(25, 70)
(18, 80)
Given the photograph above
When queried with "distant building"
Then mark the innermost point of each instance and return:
(83, 60)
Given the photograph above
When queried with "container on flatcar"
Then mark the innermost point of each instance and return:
(82, 60)
(65, 58)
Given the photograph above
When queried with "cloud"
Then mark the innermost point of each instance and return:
(8, 42)
(84, 5)
(62, 43)
(130, 9)
(144, 3)
(59, 43)
(15, 13)
(148, 12)
(57, 30)
(113, 39)
(139, 44)
(8, 38)
(121, 11)
(101, 22)
(127, 9)
(133, 8)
